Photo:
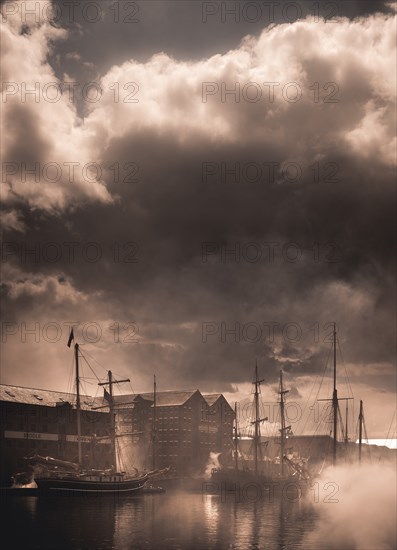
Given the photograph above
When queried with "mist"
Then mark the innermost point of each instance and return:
(356, 506)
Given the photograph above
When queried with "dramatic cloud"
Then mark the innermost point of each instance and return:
(42, 133)
(141, 241)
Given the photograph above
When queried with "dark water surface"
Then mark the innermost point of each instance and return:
(174, 520)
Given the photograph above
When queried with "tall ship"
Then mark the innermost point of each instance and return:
(259, 468)
(57, 476)
(289, 466)
(341, 448)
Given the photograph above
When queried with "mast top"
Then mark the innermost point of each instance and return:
(282, 390)
(334, 342)
(112, 380)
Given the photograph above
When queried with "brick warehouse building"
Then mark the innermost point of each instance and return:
(221, 418)
(36, 421)
(188, 426)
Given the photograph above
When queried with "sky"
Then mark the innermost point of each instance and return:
(197, 186)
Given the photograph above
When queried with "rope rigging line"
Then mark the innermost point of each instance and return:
(357, 429)
(349, 387)
(350, 391)
(100, 365)
(366, 439)
(96, 361)
(390, 427)
(89, 366)
(318, 390)
(342, 429)
(307, 403)
(71, 381)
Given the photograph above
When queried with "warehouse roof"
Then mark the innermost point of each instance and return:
(47, 398)
(168, 398)
(50, 398)
(211, 397)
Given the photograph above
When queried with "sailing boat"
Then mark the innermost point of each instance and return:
(347, 452)
(337, 451)
(278, 471)
(63, 477)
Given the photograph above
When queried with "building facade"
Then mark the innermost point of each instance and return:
(43, 422)
(182, 429)
(220, 419)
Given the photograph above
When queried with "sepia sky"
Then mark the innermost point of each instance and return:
(121, 211)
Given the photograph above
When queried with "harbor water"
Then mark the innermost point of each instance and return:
(171, 521)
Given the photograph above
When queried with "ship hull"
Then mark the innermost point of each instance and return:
(80, 487)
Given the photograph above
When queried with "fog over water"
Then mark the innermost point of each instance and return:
(361, 514)
(347, 508)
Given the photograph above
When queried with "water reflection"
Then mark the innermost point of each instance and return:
(211, 510)
(169, 521)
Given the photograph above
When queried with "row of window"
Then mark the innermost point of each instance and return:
(165, 442)
(173, 456)
(174, 430)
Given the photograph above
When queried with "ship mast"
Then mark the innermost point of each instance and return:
(110, 400)
(154, 421)
(335, 406)
(257, 419)
(78, 404)
(284, 428)
(235, 437)
(112, 423)
(347, 426)
(360, 431)
(335, 402)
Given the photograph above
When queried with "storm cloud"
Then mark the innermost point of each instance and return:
(218, 203)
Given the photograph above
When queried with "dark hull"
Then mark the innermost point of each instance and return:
(79, 487)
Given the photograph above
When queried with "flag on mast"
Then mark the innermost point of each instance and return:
(71, 338)
(106, 395)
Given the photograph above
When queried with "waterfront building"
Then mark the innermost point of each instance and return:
(182, 428)
(43, 422)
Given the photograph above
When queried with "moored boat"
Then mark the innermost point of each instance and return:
(268, 475)
(60, 476)
(57, 476)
